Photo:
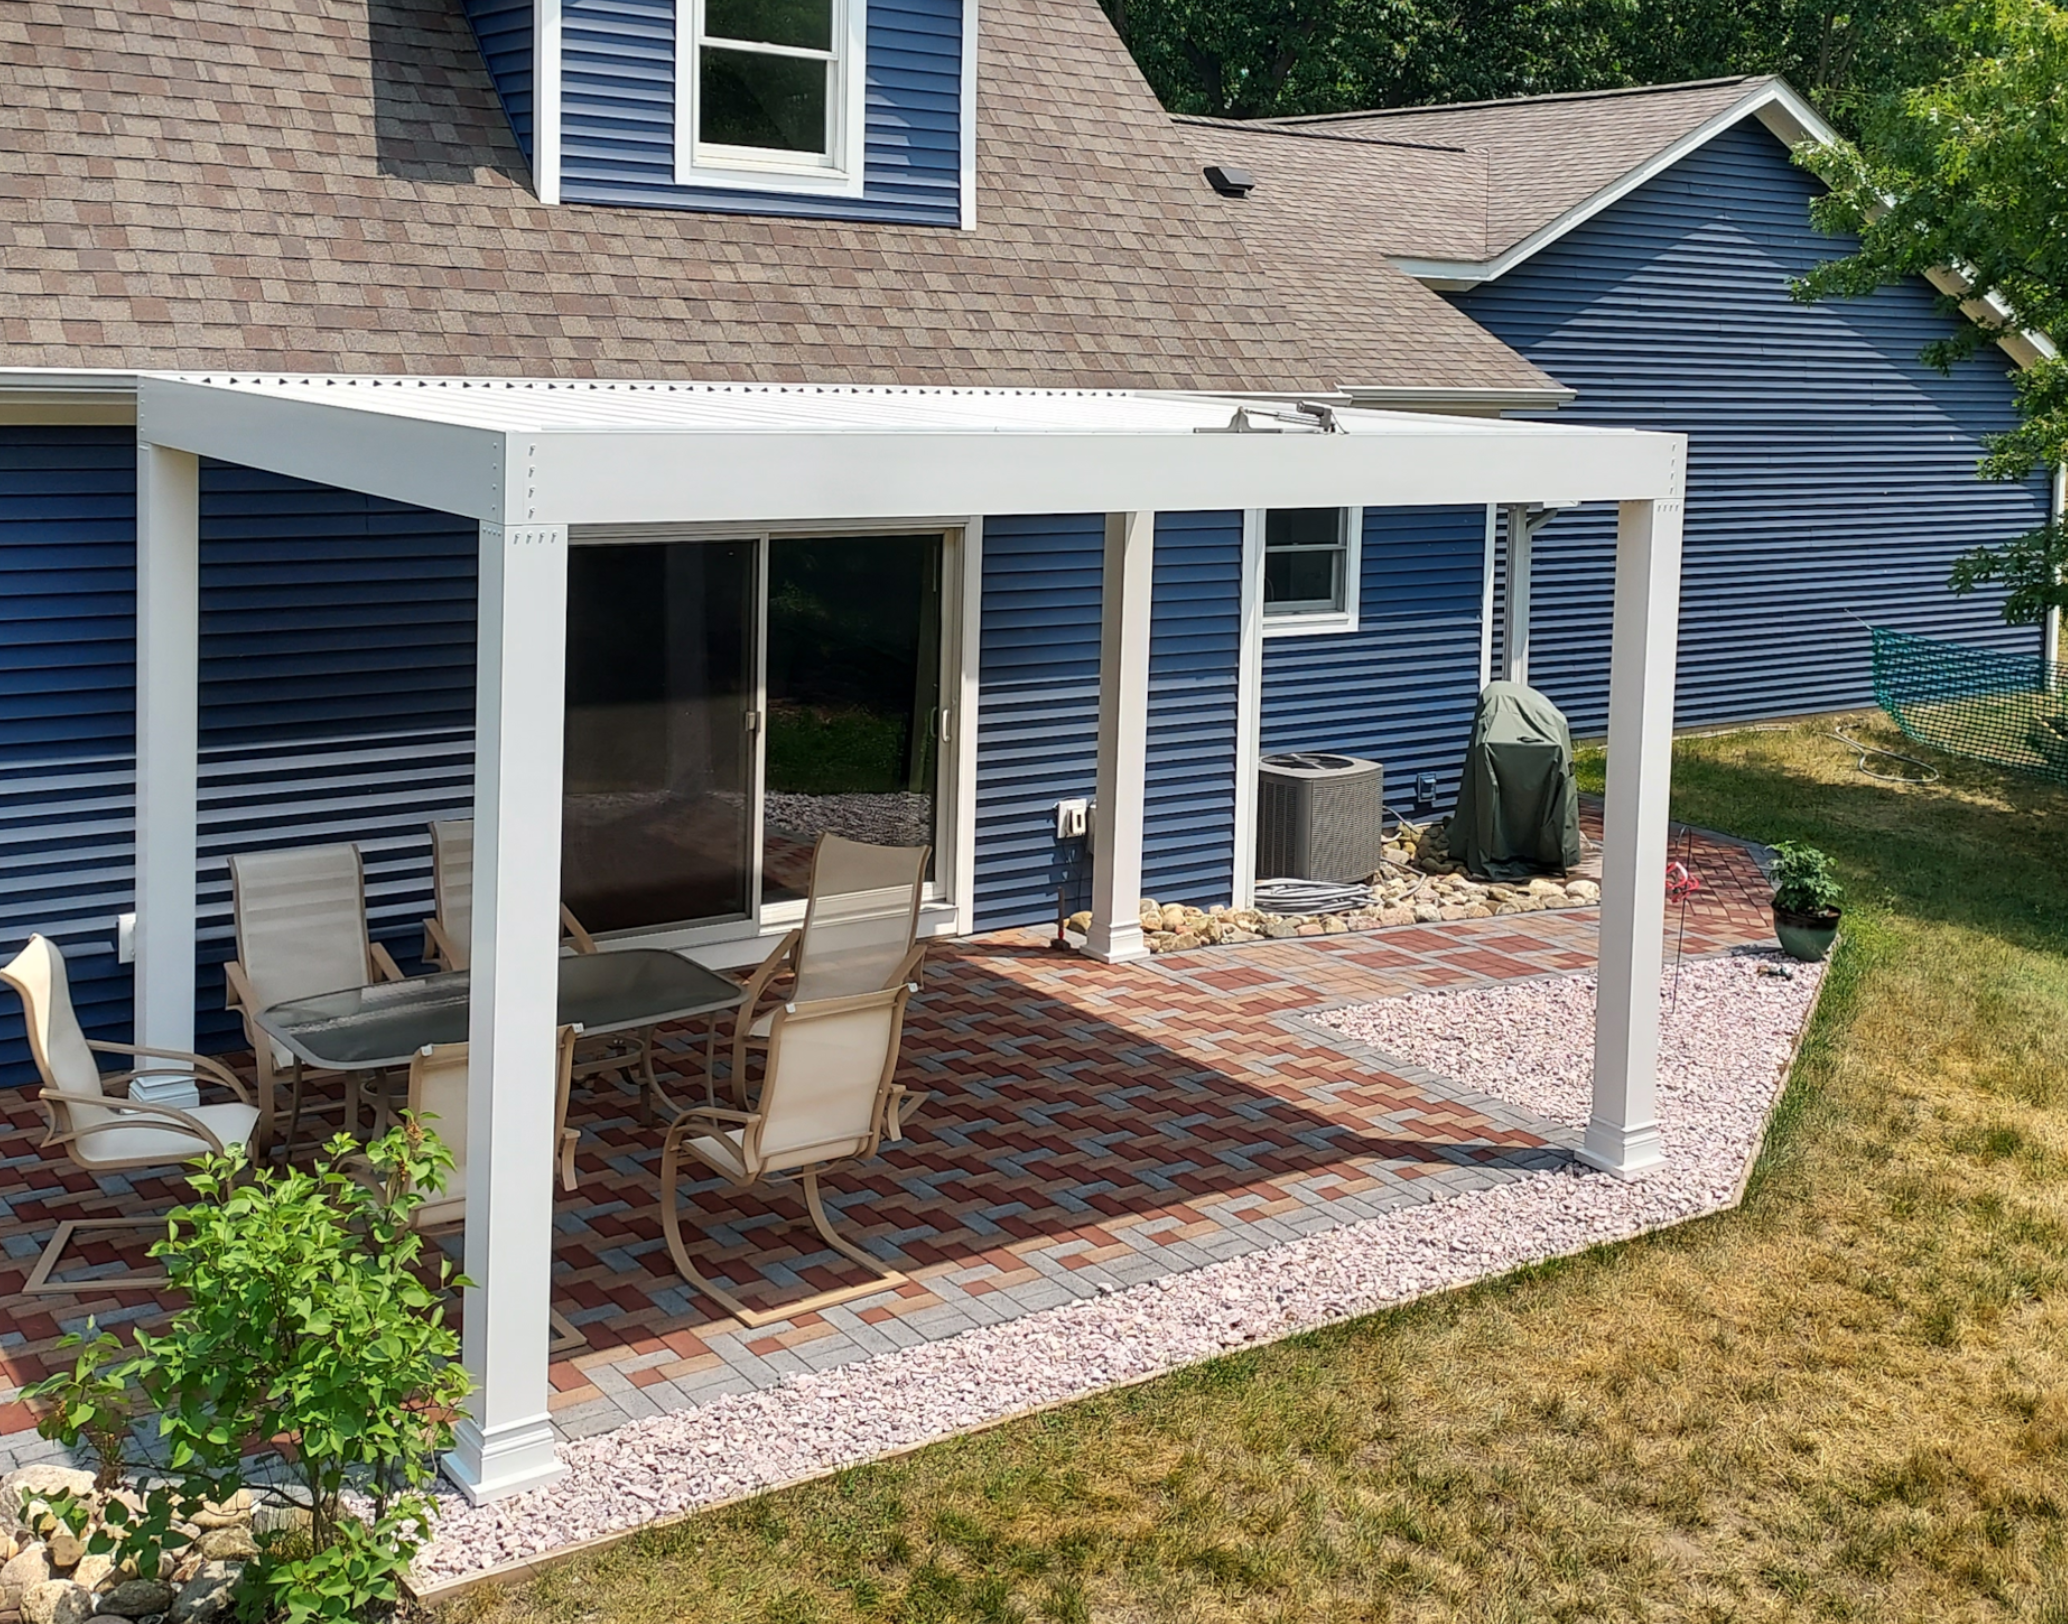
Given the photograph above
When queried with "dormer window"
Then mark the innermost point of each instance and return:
(769, 95)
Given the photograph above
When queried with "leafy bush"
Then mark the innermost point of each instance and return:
(1803, 881)
(312, 1337)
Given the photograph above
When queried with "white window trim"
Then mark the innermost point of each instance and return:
(1330, 621)
(838, 174)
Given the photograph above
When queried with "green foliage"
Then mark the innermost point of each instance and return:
(2033, 571)
(1803, 880)
(312, 1336)
(1972, 171)
(1258, 58)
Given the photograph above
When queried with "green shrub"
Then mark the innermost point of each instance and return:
(312, 1338)
(1803, 880)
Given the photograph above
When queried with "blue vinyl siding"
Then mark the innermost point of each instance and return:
(618, 116)
(1038, 717)
(1831, 474)
(297, 579)
(502, 28)
(1401, 688)
(1195, 660)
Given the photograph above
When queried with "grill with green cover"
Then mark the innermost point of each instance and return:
(1518, 810)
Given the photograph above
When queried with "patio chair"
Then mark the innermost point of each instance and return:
(827, 1103)
(449, 932)
(438, 1096)
(860, 934)
(101, 1131)
(301, 930)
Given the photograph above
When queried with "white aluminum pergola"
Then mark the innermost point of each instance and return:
(527, 459)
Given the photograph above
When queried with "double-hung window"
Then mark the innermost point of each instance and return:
(1310, 569)
(769, 95)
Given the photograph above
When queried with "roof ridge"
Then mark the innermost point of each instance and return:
(1257, 126)
(1308, 119)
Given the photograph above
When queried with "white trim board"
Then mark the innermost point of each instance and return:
(966, 129)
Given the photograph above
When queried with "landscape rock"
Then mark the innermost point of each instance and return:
(57, 1601)
(93, 1571)
(137, 1598)
(45, 1478)
(65, 1547)
(232, 1544)
(207, 1595)
(28, 1566)
(237, 1509)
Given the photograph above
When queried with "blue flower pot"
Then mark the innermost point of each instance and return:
(1807, 937)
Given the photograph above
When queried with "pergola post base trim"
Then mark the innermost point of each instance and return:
(1626, 1152)
(506, 1460)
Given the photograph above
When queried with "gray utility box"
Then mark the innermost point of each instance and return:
(1319, 817)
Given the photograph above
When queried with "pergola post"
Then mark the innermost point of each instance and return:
(168, 710)
(1515, 628)
(1116, 866)
(505, 1445)
(1623, 1131)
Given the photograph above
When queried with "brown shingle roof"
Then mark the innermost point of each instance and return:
(329, 185)
(1471, 181)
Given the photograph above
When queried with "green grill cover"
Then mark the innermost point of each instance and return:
(1518, 809)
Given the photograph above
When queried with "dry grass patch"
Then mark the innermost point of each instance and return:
(1849, 1400)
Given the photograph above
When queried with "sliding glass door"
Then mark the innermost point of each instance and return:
(728, 702)
(658, 824)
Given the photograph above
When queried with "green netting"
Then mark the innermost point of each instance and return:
(2009, 709)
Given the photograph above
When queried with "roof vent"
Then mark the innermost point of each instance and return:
(1230, 181)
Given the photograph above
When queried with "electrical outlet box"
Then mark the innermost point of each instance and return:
(1073, 820)
(1425, 789)
(125, 938)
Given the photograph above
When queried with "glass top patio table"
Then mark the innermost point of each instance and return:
(366, 1028)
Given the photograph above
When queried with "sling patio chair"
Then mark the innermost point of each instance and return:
(827, 1103)
(438, 1098)
(448, 933)
(301, 930)
(101, 1131)
(860, 934)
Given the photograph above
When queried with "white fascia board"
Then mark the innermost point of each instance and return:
(646, 477)
(445, 466)
(1771, 101)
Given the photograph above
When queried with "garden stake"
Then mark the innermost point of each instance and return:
(1681, 885)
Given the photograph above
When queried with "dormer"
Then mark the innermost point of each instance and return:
(815, 109)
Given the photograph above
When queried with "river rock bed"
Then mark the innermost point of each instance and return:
(1418, 884)
(1726, 1040)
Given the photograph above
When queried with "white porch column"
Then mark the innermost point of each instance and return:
(1623, 1132)
(506, 1444)
(168, 709)
(1515, 627)
(1116, 865)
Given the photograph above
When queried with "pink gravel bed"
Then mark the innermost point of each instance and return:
(1724, 1049)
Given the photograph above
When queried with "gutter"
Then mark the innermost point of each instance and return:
(1458, 402)
(67, 395)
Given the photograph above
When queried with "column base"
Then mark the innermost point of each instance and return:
(1626, 1152)
(1116, 944)
(506, 1460)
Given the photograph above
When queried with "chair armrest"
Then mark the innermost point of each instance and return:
(911, 968)
(764, 974)
(197, 1066)
(164, 1116)
(583, 941)
(441, 949)
(237, 990)
(384, 965)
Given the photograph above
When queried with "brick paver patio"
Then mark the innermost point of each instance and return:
(1092, 1127)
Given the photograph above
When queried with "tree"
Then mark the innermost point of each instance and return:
(1971, 172)
(1252, 58)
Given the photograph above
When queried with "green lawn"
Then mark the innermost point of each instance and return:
(1849, 1400)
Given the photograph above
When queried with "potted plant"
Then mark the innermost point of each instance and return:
(1806, 895)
